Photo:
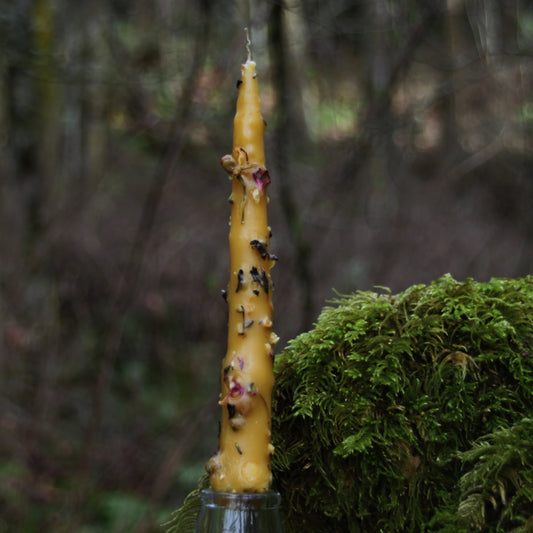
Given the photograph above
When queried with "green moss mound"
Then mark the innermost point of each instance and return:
(410, 412)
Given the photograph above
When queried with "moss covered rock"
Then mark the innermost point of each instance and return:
(380, 412)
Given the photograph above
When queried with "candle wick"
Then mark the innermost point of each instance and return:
(248, 44)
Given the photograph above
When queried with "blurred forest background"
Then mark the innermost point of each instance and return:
(399, 144)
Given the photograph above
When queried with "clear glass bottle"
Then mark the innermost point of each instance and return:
(228, 512)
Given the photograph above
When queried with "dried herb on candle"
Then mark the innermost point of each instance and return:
(240, 280)
(239, 83)
(238, 448)
(261, 277)
(231, 410)
(260, 247)
(263, 280)
(255, 274)
(224, 294)
(245, 323)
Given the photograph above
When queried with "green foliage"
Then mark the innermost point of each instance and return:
(409, 412)
(497, 487)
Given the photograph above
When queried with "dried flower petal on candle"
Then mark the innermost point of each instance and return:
(236, 390)
(262, 178)
(230, 165)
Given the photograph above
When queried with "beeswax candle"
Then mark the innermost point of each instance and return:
(242, 463)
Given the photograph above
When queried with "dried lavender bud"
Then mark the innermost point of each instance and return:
(261, 277)
(255, 274)
(240, 280)
(260, 247)
(264, 280)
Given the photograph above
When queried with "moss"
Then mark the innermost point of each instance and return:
(378, 410)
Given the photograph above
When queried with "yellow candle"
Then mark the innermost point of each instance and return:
(242, 463)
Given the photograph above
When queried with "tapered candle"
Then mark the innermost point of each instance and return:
(242, 463)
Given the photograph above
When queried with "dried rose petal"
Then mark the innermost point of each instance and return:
(262, 178)
(236, 389)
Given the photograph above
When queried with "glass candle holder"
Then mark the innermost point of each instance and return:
(228, 512)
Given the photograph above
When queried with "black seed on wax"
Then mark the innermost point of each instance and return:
(231, 411)
(238, 448)
(224, 294)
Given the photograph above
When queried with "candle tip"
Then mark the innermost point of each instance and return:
(248, 44)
